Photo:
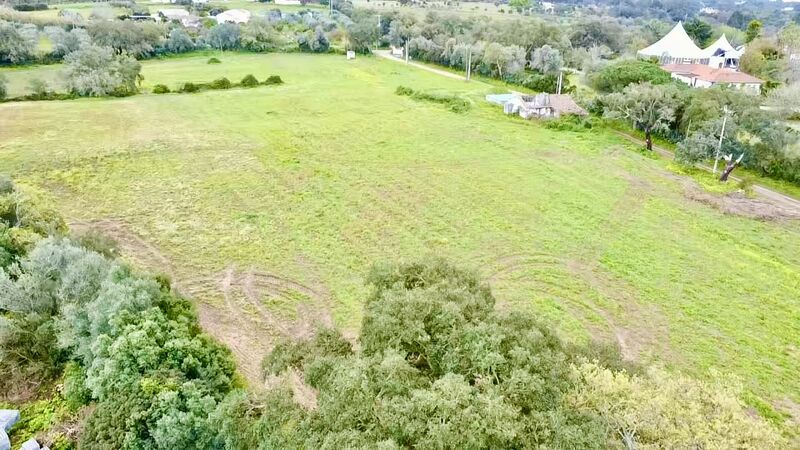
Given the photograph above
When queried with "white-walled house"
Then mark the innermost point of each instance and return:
(703, 76)
(233, 16)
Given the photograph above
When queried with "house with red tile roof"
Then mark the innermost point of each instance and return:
(703, 76)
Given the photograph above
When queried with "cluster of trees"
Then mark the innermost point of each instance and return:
(526, 51)
(132, 348)
(437, 365)
(693, 117)
(440, 367)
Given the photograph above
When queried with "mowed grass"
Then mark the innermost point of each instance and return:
(317, 179)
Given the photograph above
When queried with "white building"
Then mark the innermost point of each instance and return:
(703, 76)
(288, 2)
(233, 16)
(702, 68)
(173, 14)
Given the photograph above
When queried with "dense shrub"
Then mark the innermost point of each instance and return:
(17, 42)
(404, 90)
(220, 83)
(542, 83)
(249, 81)
(136, 348)
(615, 77)
(570, 122)
(224, 36)
(313, 41)
(127, 37)
(160, 89)
(189, 87)
(452, 102)
(273, 79)
(30, 6)
(65, 42)
(96, 71)
(97, 242)
(214, 61)
(179, 41)
(3, 88)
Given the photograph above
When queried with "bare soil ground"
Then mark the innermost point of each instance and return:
(245, 309)
(735, 203)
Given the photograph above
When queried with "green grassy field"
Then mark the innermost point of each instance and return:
(268, 206)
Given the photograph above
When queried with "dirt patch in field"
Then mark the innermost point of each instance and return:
(790, 407)
(638, 329)
(130, 245)
(247, 309)
(738, 204)
(258, 308)
(645, 330)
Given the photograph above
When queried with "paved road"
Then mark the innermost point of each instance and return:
(782, 200)
(386, 54)
(778, 198)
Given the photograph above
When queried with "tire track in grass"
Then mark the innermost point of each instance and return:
(243, 321)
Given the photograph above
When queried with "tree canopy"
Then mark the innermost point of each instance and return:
(618, 75)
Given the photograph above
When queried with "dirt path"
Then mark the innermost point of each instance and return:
(386, 54)
(782, 200)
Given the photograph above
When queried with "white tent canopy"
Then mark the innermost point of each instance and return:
(676, 45)
(719, 47)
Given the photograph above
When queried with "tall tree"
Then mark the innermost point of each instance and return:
(699, 30)
(546, 60)
(651, 108)
(753, 31)
(17, 42)
(739, 20)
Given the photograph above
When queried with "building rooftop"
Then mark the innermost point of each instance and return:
(711, 74)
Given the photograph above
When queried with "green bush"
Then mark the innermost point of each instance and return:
(452, 102)
(6, 184)
(616, 76)
(75, 392)
(273, 79)
(97, 242)
(249, 81)
(570, 122)
(190, 87)
(220, 83)
(403, 90)
(214, 61)
(160, 89)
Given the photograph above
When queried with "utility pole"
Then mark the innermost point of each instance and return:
(378, 39)
(721, 136)
(405, 53)
(560, 79)
(469, 62)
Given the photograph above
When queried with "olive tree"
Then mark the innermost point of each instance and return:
(313, 41)
(65, 42)
(179, 41)
(96, 71)
(224, 36)
(662, 410)
(17, 42)
(650, 108)
(546, 60)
